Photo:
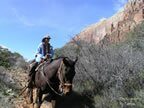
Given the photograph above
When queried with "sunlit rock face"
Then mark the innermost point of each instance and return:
(116, 26)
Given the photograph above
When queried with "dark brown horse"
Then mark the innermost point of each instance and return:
(54, 78)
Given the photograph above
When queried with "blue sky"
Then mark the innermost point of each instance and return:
(23, 23)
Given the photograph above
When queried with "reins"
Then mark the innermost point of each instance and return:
(60, 76)
(59, 71)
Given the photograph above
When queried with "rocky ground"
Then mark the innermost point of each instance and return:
(11, 82)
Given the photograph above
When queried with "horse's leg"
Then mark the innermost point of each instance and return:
(31, 76)
(53, 100)
(53, 103)
(30, 95)
(38, 98)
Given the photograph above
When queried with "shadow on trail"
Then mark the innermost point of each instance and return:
(75, 100)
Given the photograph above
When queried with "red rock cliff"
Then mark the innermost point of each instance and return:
(116, 26)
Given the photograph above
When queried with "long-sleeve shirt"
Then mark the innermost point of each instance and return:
(41, 53)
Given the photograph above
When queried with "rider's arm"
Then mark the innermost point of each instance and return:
(39, 55)
(40, 51)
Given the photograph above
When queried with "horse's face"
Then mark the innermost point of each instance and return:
(69, 73)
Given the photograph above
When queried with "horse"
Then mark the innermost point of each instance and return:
(54, 78)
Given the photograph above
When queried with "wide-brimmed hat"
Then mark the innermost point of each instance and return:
(46, 37)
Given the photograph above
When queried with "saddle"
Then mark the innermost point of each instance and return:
(43, 63)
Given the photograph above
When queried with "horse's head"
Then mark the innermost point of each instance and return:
(68, 75)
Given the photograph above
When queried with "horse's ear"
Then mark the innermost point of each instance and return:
(65, 61)
(75, 60)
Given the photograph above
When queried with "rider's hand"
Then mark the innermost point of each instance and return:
(35, 55)
(47, 56)
(42, 60)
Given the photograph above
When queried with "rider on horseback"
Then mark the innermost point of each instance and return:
(45, 52)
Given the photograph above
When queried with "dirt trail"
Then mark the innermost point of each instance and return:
(20, 102)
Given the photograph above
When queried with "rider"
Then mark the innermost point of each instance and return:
(45, 52)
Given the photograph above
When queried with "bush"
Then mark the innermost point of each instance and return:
(110, 72)
(8, 59)
(4, 59)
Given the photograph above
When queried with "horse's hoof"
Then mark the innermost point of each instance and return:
(36, 105)
(29, 101)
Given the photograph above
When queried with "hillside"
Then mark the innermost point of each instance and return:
(9, 59)
(110, 74)
(13, 69)
(115, 27)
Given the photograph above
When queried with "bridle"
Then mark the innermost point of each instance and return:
(61, 78)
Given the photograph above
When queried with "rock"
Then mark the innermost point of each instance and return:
(116, 26)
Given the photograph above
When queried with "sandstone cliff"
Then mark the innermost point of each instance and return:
(116, 26)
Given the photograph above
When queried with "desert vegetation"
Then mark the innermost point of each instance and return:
(13, 69)
(110, 75)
